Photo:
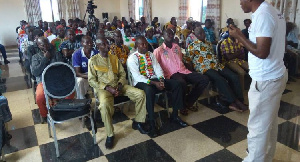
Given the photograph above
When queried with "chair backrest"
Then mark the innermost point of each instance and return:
(218, 51)
(59, 80)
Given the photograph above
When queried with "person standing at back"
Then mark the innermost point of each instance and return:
(269, 76)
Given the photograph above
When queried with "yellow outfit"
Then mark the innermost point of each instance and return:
(108, 71)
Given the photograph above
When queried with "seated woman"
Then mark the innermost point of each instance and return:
(151, 39)
(200, 55)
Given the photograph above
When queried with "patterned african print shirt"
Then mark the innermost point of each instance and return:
(121, 52)
(228, 46)
(209, 34)
(202, 56)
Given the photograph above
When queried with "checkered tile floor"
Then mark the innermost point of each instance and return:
(213, 134)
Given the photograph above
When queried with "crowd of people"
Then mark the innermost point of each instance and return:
(159, 58)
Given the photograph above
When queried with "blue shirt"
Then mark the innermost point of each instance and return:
(153, 40)
(210, 35)
(80, 59)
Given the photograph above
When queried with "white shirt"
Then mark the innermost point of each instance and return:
(51, 37)
(267, 22)
(134, 67)
(84, 30)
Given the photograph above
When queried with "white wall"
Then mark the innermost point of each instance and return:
(165, 9)
(112, 7)
(11, 11)
(124, 9)
(233, 10)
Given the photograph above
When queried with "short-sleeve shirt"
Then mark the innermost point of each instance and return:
(202, 56)
(267, 22)
(80, 60)
(209, 34)
(228, 46)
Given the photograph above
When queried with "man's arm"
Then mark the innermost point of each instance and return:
(38, 65)
(92, 76)
(79, 74)
(262, 47)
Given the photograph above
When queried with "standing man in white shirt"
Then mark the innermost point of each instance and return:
(266, 50)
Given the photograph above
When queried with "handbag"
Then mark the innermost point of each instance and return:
(72, 105)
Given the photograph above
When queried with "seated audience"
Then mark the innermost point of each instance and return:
(292, 34)
(209, 32)
(120, 27)
(60, 37)
(119, 49)
(129, 40)
(144, 25)
(68, 47)
(45, 56)
(201, 55)
(151, 39)
(169, 57)
(46, 29)
(53, 34)
(82, 27)
(40, 25)
(233, 57)
(34, 48)
(187, 31)
(148, 76)
(80, 63)
(108, 78)
(224, 31)
(247, 23)
(24, 47)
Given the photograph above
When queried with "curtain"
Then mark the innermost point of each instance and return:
(73, 9)
(148, 10)
(131, 8)
(184, 11)
(213, 13)
(61, 8)
(33, 11)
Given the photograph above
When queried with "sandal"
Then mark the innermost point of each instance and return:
(184, 112)
(193, 108)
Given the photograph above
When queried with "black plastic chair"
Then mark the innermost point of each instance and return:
(59, 81)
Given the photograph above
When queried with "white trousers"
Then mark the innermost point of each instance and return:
(264, 103)
(82, 87)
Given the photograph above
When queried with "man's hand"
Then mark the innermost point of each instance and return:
(120, 87)
(47, 54)
(158, 85)
(234, 31)
(112, 90)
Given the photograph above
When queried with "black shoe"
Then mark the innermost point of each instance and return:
(6, 62)
(153, 132)
(177, 120)
(109, 142)
(44, 120)
(140, 127)
(247, 151)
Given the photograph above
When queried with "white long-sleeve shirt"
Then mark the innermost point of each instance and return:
(133, 64)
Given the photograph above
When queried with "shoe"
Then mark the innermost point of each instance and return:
(153, 132)
(247, 151)
(177, 120)
(139, 126)
(109, 143)
(44, 120)
(184, 112)
(6, 62)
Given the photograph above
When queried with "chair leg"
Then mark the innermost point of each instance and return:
(55, 139)
(93, 130)
(82, 122)
(167, 104)
(49, 130)
(3, 156)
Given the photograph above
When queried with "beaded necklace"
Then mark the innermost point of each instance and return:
(143, 67)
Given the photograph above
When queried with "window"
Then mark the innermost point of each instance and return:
(139, 9)
(198, 9)
(49, 14)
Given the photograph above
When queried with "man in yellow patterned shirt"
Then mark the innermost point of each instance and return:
(107, 76)
(233, 56)
(200, 54)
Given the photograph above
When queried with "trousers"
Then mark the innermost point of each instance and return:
(199, 82)
(264, 102)
(150, 90)
(106, 106)
(82, 87)
(3, 51)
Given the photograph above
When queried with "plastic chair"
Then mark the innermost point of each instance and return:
(59, 81)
